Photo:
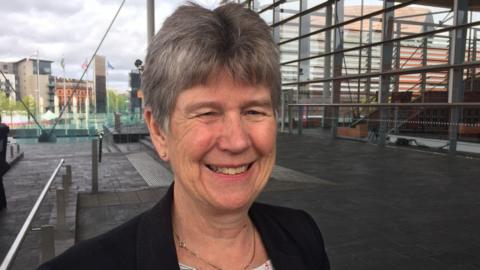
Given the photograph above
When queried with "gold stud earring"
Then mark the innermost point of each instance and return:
(163, 155)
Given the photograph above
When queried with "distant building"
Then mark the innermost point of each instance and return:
(26, 79)
(79, 100)
(9, 70)
(100, 84)
(136, 93)
(6, 87)
(26, 70)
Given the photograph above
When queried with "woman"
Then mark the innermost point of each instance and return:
(211, 85)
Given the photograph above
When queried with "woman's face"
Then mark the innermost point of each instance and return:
(221, 143)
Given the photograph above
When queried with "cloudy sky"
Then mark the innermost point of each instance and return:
(73, 28)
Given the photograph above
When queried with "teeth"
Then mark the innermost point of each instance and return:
(229, 171)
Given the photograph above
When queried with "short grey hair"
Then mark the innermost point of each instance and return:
(196, 43)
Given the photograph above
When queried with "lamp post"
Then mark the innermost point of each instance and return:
(139, 64)
(38, 89)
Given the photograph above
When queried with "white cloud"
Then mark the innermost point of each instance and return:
(73, 29)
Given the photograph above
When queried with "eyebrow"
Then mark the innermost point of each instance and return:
(264, 103)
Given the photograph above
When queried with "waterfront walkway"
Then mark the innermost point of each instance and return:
(378, 208)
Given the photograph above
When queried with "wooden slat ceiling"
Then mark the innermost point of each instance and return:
(473, 5)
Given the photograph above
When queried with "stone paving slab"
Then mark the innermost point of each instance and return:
(150, 170)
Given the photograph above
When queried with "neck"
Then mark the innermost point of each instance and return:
(194, 220)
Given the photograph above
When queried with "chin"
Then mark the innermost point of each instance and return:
(232, 202)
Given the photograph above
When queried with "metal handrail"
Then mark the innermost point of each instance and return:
(386, 105)
(12, 252)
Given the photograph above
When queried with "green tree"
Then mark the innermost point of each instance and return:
(30, 103)
(7, 105)
(3, 102)
(116, 102)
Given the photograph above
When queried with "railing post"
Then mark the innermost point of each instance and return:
(47, 243)
(282, 111)
(395, 121)
(290, 120)
(95, 165)
(60, 207)
(300, 120)
(68, 169)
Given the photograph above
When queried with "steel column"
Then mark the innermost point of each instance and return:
(327, 61)
(276, 29)
(398, 30)
(423, 78)
(455, 75)
(150, 20)
(304, 45)
(337, 64)
(369, 60)
(386, 65)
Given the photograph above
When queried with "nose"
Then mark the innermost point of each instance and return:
(234, 136)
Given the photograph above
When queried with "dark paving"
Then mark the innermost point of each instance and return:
(394, 208)
(390, 208)
(24, 181)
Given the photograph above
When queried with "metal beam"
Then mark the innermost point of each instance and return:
(356, 19)
(307, 11)
(455, 76)
(405, 71)
(428, 33)
(272, 6)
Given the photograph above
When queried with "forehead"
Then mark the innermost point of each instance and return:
(224, 93)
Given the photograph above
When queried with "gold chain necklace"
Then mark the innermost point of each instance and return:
(183, 245)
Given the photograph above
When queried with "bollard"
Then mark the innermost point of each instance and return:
(94, 166)
(11, 151)
(18, 148)
(60, 207)
(290, 120)
(47, 243)
(66, 188)
(69, 173)
(100, 148)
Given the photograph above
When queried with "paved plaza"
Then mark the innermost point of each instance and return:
(378, 208)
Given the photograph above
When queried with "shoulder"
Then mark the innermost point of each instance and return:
(288, 218)
(115, 249)
(293, 231)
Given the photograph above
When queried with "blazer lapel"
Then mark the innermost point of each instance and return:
(281, 252)
(155, 243)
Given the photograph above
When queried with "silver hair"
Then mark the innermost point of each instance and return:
(196, 43)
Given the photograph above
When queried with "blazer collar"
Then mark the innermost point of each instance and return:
(156, 246)
(155, 243)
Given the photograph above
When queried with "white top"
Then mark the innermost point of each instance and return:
(265, 266)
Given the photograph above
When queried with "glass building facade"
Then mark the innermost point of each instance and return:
(391, 60)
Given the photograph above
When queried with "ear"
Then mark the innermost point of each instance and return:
(158, 136)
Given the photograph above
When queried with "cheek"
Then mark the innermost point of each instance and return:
(194, 142)
(265, 138)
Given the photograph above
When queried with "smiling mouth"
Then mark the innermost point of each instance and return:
(230, 170)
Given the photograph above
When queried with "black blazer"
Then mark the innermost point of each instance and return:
(291, 238)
